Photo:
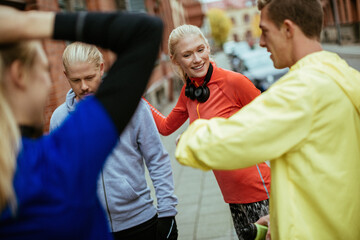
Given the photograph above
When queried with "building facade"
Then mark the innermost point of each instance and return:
(244, 16)
(341, 21)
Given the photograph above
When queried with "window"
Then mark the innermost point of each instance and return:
(246, 18)
(233, 21)
(72, 5)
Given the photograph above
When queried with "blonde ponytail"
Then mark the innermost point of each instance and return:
(8, 147)
(9, 142)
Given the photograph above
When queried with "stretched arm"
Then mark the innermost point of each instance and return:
(89, 134)
(176, 118)
(265, 129)
(135, 38)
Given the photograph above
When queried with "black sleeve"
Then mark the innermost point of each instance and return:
(135, 38)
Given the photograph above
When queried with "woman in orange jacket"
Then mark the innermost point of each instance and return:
(209, 92)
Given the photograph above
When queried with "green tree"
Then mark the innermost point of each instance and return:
(220, 25)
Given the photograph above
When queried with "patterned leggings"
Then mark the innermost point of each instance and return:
(243, 214)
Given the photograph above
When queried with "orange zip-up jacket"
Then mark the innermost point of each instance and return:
(229, 92)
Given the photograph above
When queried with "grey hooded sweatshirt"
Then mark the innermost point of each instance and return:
(122, 186)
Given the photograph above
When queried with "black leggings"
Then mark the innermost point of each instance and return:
(244, 214)
(146, 230)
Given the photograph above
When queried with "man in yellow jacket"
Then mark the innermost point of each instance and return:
(307, 124)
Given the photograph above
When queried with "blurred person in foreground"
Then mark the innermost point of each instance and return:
(122, 186)
(48, 183)
(307, 124)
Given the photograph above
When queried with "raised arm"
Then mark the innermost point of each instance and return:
(263, 130)
(89, 134)
(135, 38)
(17, 26)
(176, 118)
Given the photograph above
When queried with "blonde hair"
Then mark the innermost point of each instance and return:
(81, 52)
(176, 35)
(26, 53)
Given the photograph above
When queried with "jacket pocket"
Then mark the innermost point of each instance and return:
(119, 195)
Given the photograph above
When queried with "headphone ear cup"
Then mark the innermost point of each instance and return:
(202, 93)
(190, 91)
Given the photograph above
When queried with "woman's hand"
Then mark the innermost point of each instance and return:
(265, 221)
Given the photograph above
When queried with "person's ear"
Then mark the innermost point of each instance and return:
(102, 67)
(288, 28)
(17, 74)
(208, 48)
(173, 60)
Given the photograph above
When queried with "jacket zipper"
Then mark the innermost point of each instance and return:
(197, 110)
(106, 201)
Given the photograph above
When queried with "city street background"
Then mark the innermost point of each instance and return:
(202, 212)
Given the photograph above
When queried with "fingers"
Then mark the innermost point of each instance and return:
(177, 139)
(268, 234)
(265, 220)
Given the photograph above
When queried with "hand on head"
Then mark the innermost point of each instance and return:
(18, 25)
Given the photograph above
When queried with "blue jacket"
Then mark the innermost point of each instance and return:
(55, 181)
(122, 186)
(49, 182)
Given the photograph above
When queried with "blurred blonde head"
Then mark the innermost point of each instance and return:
(25, 53)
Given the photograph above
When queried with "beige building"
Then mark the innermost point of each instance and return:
(245, 18)
(245, 24)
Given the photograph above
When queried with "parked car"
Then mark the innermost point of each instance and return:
(259, 68)
(236, 48)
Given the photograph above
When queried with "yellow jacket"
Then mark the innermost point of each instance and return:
(308, 125)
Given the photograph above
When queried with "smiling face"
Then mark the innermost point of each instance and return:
(274, 39)
(192, 54)
(84, 78)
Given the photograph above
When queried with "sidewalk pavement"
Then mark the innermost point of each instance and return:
(349, 50)
(350, 53)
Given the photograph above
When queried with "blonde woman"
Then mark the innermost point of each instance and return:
(48, 183)
(210, 91)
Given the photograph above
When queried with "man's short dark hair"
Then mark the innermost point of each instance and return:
(307, 14)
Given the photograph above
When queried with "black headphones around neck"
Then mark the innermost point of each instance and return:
(201, 93)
